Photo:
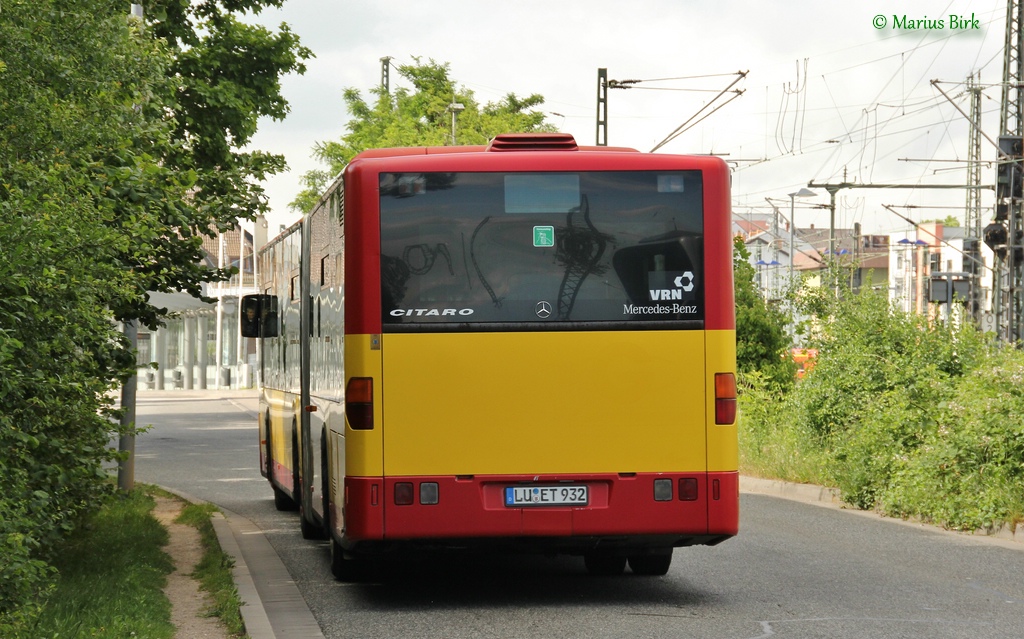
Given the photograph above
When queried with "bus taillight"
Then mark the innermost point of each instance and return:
(688, 489)
(359, 403)
(725, 398)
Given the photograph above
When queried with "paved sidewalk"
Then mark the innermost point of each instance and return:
(272, 606)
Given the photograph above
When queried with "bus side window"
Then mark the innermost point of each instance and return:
(268, 316)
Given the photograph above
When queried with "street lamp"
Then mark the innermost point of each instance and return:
(455, 107)
(803, 192)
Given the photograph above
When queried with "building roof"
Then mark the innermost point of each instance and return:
(749, 227)
(232, 247)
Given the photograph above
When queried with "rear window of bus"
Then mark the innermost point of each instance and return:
(490, 249)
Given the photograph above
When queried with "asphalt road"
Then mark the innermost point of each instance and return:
(795, 570)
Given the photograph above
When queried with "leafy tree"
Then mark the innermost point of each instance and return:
(417, 117)
(949, 221)
(77, 131)
(761, 340)
(119, 149)
(227, 76)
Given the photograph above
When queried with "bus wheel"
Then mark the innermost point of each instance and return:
(604, 565)
(349, 569)
(655, 564)
(281, 500)
(309, 529)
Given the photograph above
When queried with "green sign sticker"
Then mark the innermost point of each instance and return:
(544, 236)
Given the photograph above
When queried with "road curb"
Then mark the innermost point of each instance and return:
(254, 616)
(264, 585)
(272, 605)
(820, 495)
(799, 492)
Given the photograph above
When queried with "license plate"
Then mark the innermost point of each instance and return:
(522, 496)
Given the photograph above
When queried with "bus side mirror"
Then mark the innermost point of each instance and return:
(259, 316)
(250, 323)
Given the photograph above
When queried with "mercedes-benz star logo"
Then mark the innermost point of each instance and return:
(543, 310)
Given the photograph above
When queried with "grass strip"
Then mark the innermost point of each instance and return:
(214, 571)
(113, 571)
(112, 574)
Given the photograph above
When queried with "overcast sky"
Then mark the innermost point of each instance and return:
(833, 92)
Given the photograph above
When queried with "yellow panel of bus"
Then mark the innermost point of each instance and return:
(544, 402)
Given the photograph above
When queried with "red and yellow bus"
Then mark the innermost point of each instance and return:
(527, 346)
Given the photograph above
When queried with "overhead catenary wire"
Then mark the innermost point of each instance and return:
(686, 77)
(863, 123)
(799, 90)
(691, 121)
(865, 134)
(873, 126)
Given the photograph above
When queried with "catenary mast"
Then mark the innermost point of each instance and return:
(1006, 233)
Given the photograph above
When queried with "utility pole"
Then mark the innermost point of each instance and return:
(455, 108)
(1006, 233)
(126, 442)
(834, 188)
(792, 227)
(972, 209)
(385, 74)
(602, 107)
(855, 275)
(130, 330)
(603, 84)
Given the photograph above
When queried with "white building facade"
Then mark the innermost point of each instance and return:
(200, 345)
(930, 274)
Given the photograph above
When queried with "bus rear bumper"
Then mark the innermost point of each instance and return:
(622, 510)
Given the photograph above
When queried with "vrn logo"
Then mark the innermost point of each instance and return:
(682, 284)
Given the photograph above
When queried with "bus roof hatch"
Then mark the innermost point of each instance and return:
(533, 142)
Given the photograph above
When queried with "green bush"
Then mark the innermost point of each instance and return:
(878, 380)
(60, 352)
(762, 343)
(24, 578)
(772, 444)
(60, 355)
(969, 471)
(867, 348)
(914, 418)
(863, 457)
